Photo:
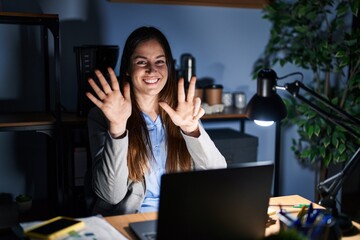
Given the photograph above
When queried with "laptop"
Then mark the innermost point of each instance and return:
(228, 203)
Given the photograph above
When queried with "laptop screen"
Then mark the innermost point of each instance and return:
(226, 203)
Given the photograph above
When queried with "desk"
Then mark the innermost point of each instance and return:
(121, 222)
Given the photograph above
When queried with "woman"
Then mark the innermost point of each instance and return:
(144, 125)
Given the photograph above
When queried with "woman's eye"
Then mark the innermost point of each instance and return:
(141, 63)
(160, 62)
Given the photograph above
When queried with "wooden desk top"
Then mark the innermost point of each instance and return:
(121, 222)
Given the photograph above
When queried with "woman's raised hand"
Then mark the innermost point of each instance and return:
(115, 105)
(189, 111)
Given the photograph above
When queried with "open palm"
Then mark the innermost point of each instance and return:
(189, 111)
(115, 106)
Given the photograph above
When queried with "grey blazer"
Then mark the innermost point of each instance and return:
(114, 193)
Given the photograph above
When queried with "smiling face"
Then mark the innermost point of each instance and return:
(149, 71)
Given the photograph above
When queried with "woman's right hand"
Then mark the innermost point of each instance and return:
(115, 105)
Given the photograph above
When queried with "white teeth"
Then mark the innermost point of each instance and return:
(151, 80)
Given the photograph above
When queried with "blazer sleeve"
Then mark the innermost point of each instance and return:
(204, 152)
(109, 159)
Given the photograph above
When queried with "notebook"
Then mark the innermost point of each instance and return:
(229, 203)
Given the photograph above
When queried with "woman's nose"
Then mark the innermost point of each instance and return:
(151, 68)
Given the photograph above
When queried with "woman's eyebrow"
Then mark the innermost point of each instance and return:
(161, 56)
(140, 56)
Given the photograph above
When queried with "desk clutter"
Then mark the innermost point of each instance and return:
(310, 223)
(94, 227)
(214, 100)
(212, 96)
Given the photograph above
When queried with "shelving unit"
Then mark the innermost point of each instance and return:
(216, 3)
(47, 121)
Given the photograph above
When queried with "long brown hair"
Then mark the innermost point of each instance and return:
(178, 157)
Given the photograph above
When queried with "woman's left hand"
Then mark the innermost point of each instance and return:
(188, 111)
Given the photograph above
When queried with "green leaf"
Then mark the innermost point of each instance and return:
(351, 43)
(335, 141)
(322, 152)
(310, 131)
(342, 148)
(326, 142)
(317, 130)
(340, 54)
(305, 153)
(301, 29)
(327, 159)
(342, 9)
(355, 7)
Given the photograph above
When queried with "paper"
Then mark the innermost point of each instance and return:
(96, 228)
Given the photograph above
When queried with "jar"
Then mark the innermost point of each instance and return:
(240, 100)
(213, 94)
(227, 99)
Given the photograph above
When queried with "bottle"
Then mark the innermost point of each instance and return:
(187, 67)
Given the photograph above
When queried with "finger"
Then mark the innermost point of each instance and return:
(114, 80)
(96, 89)
(181, 90)
(96, 101)
(127, 91)
(199, 114)
(103, 82)
(197, 105)
(191, 89)
(167, 108)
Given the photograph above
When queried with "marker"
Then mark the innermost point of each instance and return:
(301, 205)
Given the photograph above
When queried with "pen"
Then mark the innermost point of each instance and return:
(302, 212)
(290, 221)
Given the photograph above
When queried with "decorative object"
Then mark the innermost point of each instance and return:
(227, 99)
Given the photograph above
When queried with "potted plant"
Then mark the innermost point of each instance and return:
(321, 36)
(24, 202)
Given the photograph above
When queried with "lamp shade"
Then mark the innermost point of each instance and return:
(266, 104)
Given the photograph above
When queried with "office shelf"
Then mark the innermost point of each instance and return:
(35, 121)
(47, 120)
(51, 115)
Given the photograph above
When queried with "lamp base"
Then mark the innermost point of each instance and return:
(344, 223)
(342, 220)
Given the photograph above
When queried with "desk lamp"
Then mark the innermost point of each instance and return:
(266, 106)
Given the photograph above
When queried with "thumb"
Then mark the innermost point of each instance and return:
(167, 108)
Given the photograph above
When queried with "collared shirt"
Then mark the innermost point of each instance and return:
(157, 164)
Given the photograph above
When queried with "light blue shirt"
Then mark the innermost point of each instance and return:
(157, 164)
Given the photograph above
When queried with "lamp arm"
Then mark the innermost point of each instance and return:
(294, 88)
(330, 186)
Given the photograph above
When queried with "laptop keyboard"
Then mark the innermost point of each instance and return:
(150, 236)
